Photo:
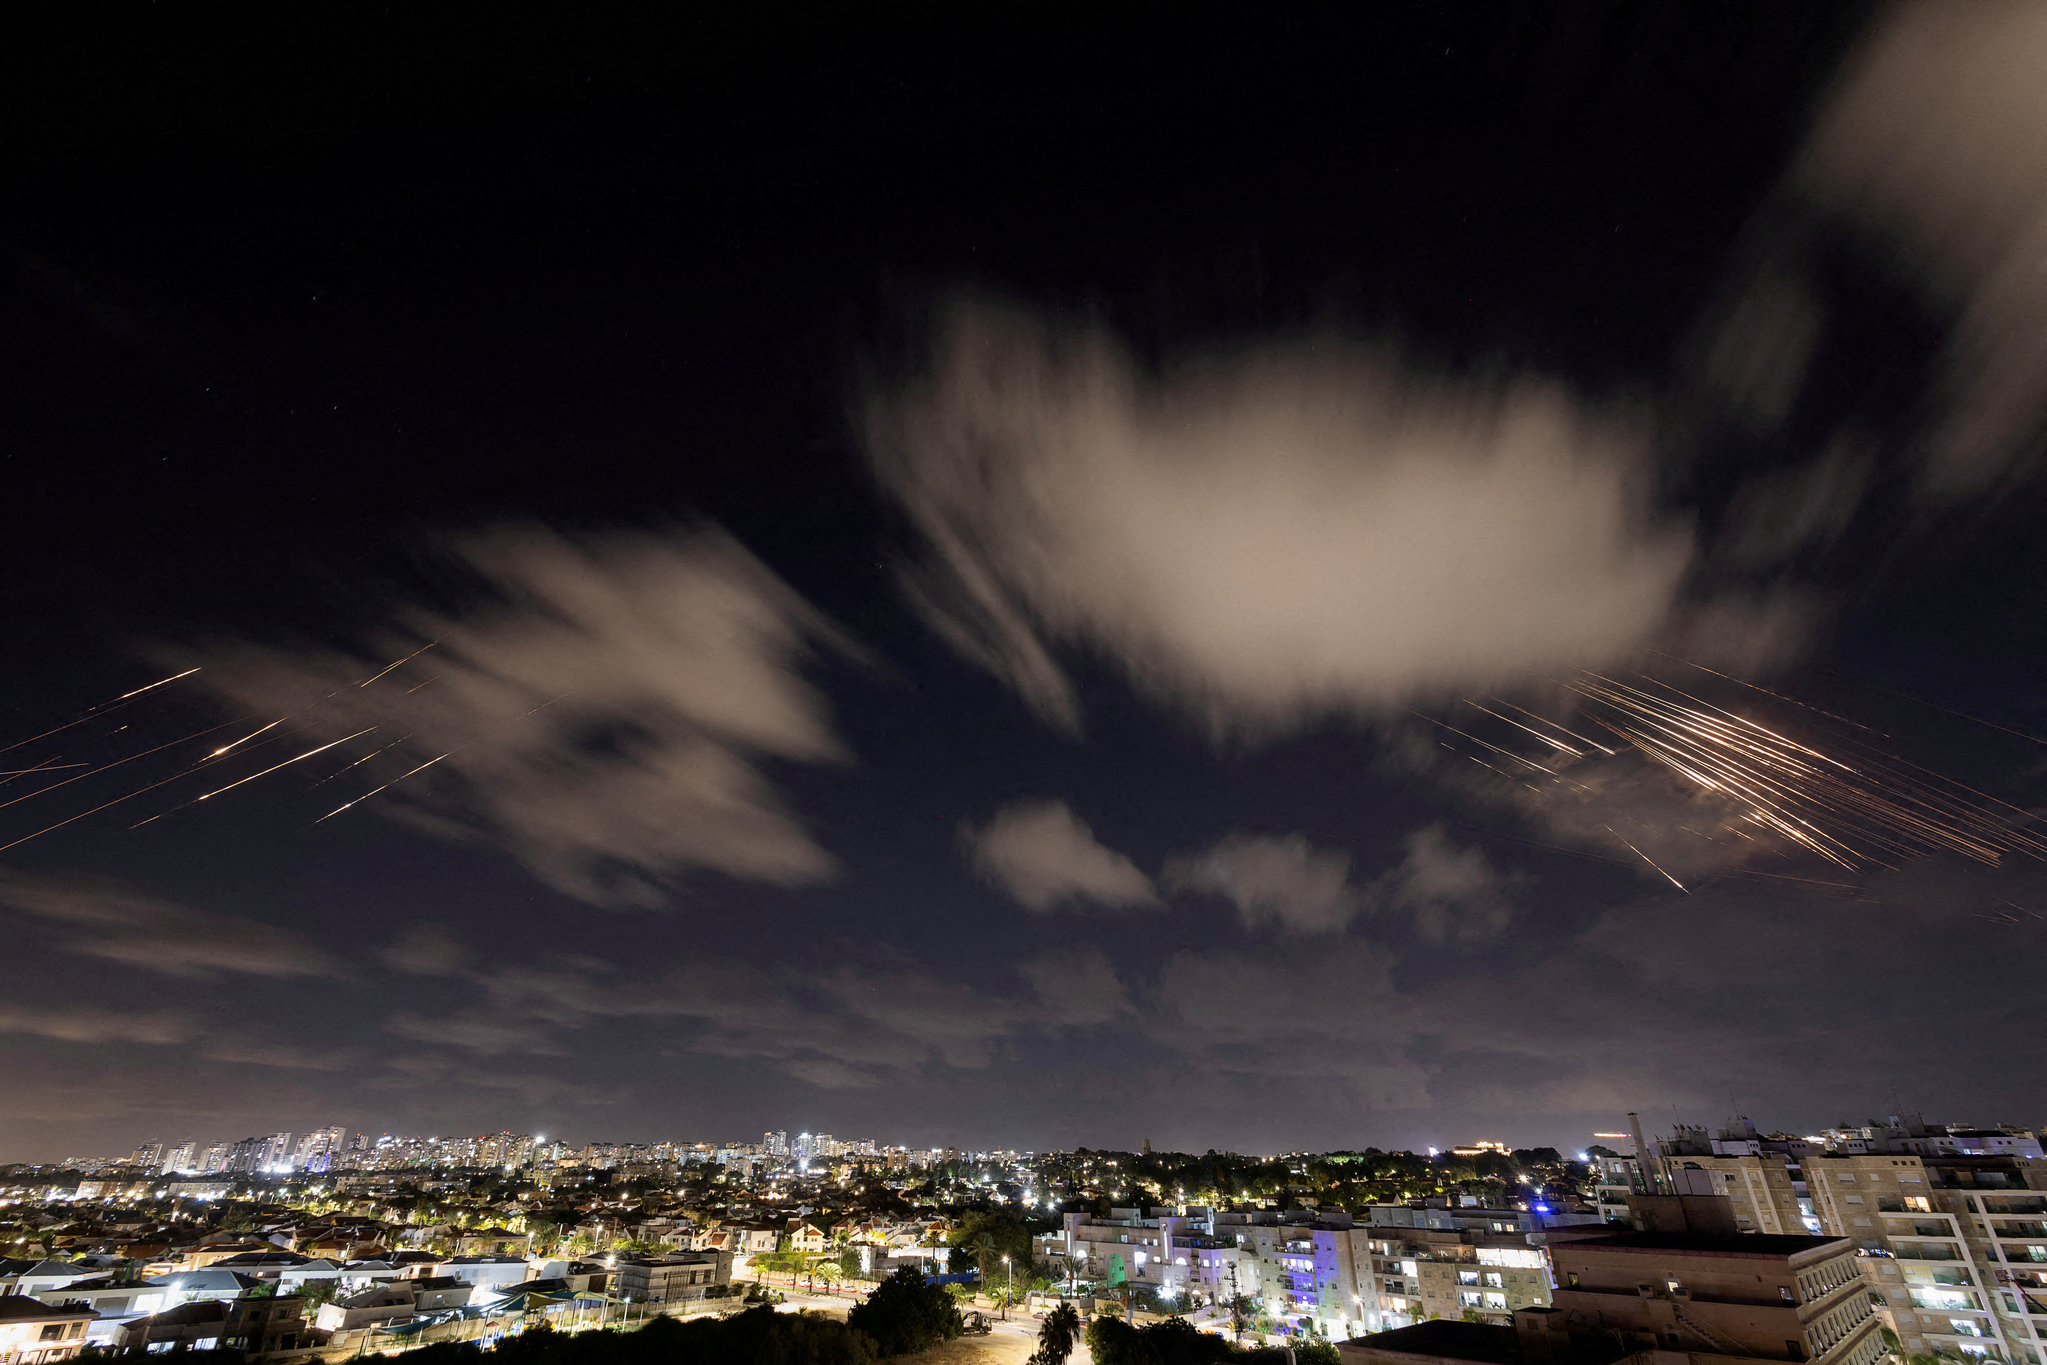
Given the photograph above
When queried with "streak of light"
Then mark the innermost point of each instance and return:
(103, 706)
(1553, 743)
(286, 764)
(1651, 861)
(69, 819)
(360, 761)
(1509, 753)
(2021, 734)
(1852, 814)
(246, 738)
(549, 702)
(1553, 725)
(1743, 682)
(115, 764)
(392, 783)
(250, 778)
(1787, 877)
(401, 663)
(41, 768)
(153, 686)
(428, 683)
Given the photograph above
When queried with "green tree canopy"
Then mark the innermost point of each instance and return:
(905, 1315)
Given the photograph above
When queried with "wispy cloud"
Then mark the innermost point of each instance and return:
(112, 920)
(1043, 855)
(604, 719)
(1274, 880)
(1298, 530)
(95, 1026)
(1936, 138)
(1450, 892)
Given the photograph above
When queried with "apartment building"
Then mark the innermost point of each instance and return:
(1955, 1246)
(1950, 1223)
(1654, 1298)
(1316, 1270)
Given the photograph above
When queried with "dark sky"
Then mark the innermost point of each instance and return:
(948, 546)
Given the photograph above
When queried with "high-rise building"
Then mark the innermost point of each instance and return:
(215, 1158)
(276, 1153)
(317, 1149)
(147, 1157)
(247, 1156)
(182, 1158)
(1948, 1220)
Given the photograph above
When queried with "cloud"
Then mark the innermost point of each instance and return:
(1041, 854)
(122, 924)
(605, 719)
(854, 1027)
(485, 1031)
(1936, 139)
(1452, 892)
(1077, 988)
(284, 1055)
(1299, 530)
(1283, 881)
(94, 1026)
(426, 950)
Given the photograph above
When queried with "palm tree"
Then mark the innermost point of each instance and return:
(1058, 1336)
(985, 1251)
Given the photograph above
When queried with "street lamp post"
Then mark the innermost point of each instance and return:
(1009, 1296)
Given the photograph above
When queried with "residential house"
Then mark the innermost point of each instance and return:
(115, 1303)
(40, 1277)
(673, 1279)
(193, 1286)
(196, 1326)
(380, 1304)
(264, 1324)
(487, 1272)
(490, 1242)
(439, 1293)
(35, 1333)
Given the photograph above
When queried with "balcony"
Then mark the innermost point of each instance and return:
(2033, 1230)
(1921, 1252)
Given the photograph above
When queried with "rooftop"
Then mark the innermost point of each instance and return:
(15, 1307)
(1479, 1342)
(1706, 1244)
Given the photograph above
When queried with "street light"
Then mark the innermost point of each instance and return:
(1009, 1296)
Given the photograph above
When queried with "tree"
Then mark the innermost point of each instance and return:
(1057, 1337)
(905, 1315)
(986, 1253)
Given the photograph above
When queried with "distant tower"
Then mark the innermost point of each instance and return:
(1147, 1147)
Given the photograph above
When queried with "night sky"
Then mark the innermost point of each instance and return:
(954, 552)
